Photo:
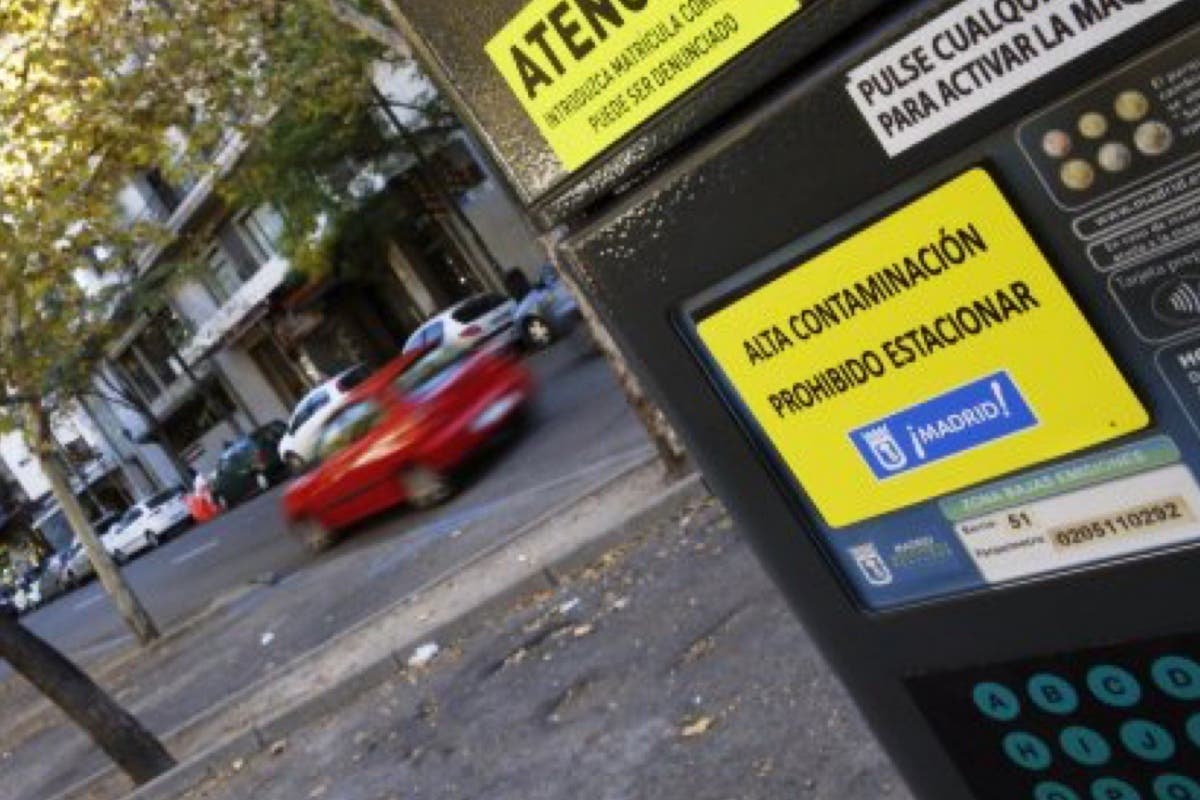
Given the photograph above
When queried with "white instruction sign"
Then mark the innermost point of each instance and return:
(977, 53)
(1144, 512)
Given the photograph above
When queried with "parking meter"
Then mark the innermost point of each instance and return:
(919, 283)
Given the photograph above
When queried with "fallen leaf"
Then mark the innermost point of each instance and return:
(697, 728)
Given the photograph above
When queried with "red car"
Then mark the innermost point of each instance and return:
(401, 433)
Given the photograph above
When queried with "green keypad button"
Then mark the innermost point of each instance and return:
(997, 701)
(1049, 790)
(1147, 740)
(1027, 751)
(1114, 686)
(1052, 694)
(1176, 787)
(1193, 729)
(1085, 746)
(1113, 789)
(1178, 676)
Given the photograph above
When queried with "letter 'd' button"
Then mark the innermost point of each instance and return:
(1178, 676)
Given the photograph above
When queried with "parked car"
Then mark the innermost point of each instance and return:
(147, 524)
(547, 312)
(77, 565)
(250, 464)
(300, 442)
(402, 433)
(27, 595)
(470, 323)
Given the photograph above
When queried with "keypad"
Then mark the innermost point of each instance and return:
(1120, 723)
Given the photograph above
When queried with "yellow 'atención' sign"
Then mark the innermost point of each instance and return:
(590, 71)
(932, 350)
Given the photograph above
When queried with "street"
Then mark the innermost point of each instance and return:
(582, 432)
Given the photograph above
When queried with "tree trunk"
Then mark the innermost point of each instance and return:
(127, 603)
(135, 750)
(666, 441)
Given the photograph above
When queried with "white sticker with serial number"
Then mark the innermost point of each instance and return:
(1131, 515)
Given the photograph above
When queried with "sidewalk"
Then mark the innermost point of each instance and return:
(669, 668)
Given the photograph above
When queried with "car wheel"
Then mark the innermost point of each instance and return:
(152, 539)
(425, 487)
(536, 332)
(295, 463)
(315, 537)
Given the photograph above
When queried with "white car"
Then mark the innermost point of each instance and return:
(146, 524)
(299, 444)
(470, 323)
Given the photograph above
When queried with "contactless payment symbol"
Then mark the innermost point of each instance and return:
(954, 422)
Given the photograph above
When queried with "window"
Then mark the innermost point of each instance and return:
(309, 406)
(131, 365)
(262, 229)
(353, 377)
(151, 362)
(223, 278)
(473, 308)
(431, 371)
(347, 426)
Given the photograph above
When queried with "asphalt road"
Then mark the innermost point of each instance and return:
(582, 432)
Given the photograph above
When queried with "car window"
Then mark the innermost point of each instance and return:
(430, 371)
(308, 406)
(237, 455)
(131, 516)
(346, 427)
(162, 497)
(353, 377)
(434, 334)
(473, 308)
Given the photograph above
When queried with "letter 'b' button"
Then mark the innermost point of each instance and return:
(1052, 694)
(1177, 676)
(997, 702)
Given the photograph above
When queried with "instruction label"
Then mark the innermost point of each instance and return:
(977, 53)
(590, 71)
(944, 316)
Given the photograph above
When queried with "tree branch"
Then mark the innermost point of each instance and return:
(370, 27)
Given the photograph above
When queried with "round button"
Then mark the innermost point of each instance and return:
(1176, 787)
(1077, 175)
(1027, 751)
(997, 701)
(1178, 676)
(1052, 694)
(1049, 790)
(1193, 729)
(1147, 740)
(1093, 125)
(1113, 789)
(1085, 746)
(1114, 686)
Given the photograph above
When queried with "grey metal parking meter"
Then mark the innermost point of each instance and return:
(920, 284)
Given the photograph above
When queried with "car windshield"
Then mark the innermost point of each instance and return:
(473, 308)
(346, 427)
(429, 371)
(308, 406)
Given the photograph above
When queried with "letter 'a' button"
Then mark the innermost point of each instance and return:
(997, 701)
(1178, 676)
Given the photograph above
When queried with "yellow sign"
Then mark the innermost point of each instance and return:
(590, 71)
(932, 350)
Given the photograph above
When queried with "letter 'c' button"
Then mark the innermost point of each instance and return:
(1114, 686)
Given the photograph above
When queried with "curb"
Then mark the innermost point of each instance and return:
(259, 736)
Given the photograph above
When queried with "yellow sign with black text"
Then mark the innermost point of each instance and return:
(930, 351)
(590, 71)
